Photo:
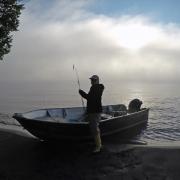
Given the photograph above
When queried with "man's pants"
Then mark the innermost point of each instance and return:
(93, 119)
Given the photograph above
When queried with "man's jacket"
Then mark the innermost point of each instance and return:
(94, 104)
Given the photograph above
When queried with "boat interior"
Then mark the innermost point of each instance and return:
(74, 114)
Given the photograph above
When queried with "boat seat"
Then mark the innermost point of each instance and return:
(118, 107)
(74, 114)
(56, 113)
(117, 110)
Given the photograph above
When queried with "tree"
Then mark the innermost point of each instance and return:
(10, 11)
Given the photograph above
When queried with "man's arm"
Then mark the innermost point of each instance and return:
(83, 94)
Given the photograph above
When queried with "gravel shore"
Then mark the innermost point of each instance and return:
(23, 157)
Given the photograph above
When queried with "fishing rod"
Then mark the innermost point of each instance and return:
(78, 82)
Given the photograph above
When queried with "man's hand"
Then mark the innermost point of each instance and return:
(83, 94)
(80, 91)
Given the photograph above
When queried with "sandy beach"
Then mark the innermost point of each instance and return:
(22, 157)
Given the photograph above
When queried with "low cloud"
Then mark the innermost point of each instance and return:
(123, 48)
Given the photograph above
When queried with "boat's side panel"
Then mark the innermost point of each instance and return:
(120, 123)
(52, 130)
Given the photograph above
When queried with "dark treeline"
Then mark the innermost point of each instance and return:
(10, 11)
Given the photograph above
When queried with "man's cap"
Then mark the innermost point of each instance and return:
(94, 77)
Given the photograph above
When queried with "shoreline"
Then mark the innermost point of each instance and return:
(19, 130)
(24, 157)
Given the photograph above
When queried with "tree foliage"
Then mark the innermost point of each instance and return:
(10, 11)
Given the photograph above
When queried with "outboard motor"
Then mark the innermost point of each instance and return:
(134, 105)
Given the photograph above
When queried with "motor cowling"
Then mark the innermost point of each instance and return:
(134, 105)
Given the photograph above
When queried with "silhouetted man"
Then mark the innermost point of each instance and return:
(94, 109)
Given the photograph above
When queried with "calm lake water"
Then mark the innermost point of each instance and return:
(162, 99)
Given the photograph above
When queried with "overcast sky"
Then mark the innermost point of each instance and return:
(128, 40)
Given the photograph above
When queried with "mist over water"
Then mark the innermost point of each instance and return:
(162, 99)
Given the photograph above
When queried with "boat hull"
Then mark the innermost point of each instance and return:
(45, 130)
